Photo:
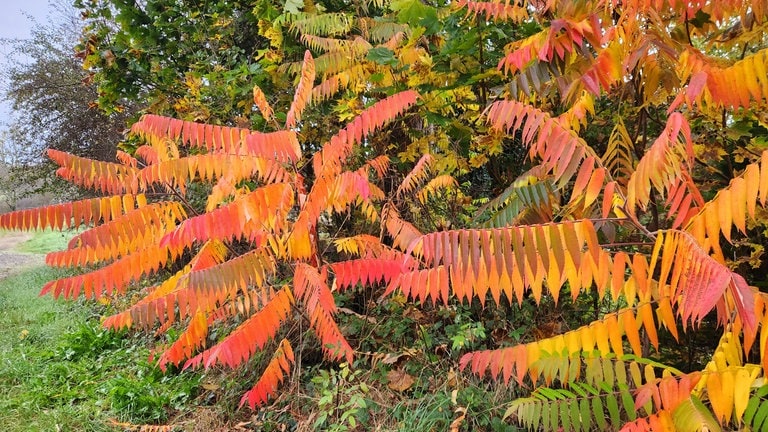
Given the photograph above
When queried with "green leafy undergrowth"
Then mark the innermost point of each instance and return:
(59, 370)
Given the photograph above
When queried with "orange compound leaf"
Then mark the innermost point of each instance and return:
(509, 261)
(329, 159)
(303, 91)
(212, 286)
(539, 129)
(253, 334)
(733, 205)
(332, 194)
(504, 361)
(744, 300)
(192, 339)
(260, 100)
(666, 167)
(563, 36)
(697, 280)
(282, 146)
(404, 234)
(273, 376)
(205, 284)
(311, 287)
(242, 306)
(712, 86)
(335, 345)
(263, 209)
(112, 278)
(416, 176)
(605, 335)
(73, 214)
(668, 392)
(133, 231)
(216, 138)
(425, 284)
(147, 311)
(145, 314)
(660, 421)
(126, 159)
(211, 167)
(496, 10)
(105, 177)
(380, 165)
(370, 271)
(148, 154)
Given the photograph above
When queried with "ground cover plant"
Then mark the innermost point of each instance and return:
(635, 225)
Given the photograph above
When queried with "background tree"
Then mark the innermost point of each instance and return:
(53, 105)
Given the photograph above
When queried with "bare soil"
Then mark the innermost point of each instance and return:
(12, 261)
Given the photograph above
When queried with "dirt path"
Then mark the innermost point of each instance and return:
(12, 261)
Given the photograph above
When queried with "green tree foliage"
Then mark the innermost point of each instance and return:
(193, 59)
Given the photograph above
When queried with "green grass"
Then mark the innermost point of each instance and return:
(60, 371)
(45, 241)
(42, 390)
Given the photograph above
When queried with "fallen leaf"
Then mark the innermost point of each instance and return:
(456, 424)
(399, 381)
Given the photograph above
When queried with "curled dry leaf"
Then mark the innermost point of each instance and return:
(399, 380)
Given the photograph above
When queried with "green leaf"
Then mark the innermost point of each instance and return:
(574, 415)
(599, 414)
(415, 13)
(576, 387)
(293, 6)
(752, 405)
(536, 420)
(545, 409)
(586, 417)
(565, 416)
(382, 56)
(553, 414)
(700, 19)
(613, 410)
(762, 413)
(628, 403)
(692, 416)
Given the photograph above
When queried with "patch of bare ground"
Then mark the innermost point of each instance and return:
(12, 261)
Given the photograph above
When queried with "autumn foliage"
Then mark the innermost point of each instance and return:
(623, 220)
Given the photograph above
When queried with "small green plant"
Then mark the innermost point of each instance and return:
(465, 335)
(342, 403)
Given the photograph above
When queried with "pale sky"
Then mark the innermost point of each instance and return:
(16, 24)
(13, 20)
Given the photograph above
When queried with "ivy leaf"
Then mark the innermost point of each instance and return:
(382, 56)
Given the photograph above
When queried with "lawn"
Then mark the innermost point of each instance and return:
(60, 371)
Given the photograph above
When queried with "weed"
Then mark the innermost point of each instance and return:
(342, 403)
